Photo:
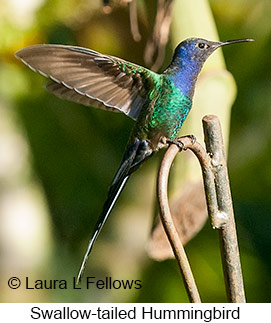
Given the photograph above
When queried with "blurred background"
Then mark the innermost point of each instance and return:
(58, 158)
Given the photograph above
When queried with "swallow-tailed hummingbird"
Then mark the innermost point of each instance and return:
(159, 103)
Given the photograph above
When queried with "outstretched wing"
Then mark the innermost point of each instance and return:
(90, 78)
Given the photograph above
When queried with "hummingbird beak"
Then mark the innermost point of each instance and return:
(229, 42)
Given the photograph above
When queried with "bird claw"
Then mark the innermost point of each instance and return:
(179, 143)
(192, 137)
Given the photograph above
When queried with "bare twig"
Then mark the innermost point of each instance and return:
(134, 21)
(155, 48)
(169, 226)
(219, 204)
(227, 231)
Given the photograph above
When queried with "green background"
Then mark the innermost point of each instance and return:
(65, 155)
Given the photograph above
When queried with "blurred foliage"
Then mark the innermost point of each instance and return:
(74, 152)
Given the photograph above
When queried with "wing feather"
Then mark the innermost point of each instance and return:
(90, 78)
(63, 92)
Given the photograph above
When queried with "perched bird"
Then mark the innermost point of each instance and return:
(159, 103)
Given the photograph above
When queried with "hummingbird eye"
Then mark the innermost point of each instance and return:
(202, 46)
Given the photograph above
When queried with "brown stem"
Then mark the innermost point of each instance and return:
(155, 47)
(227, 231)
(134, 21)
(169, 226)
(219, 205)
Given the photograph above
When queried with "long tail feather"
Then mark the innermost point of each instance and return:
(108, 206)
(133, 157)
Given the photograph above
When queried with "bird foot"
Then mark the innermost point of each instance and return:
(192, 137)
(179, 143)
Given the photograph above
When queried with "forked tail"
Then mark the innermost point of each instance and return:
(133, 157)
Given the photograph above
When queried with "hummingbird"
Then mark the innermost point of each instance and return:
(159, 103)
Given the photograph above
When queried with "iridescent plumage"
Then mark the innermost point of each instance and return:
(159, 103)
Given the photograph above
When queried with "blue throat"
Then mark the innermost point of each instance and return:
(183, 71)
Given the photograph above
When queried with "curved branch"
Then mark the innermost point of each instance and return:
(169, 226)
(219, 205)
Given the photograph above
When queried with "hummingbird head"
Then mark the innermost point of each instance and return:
(188, 59)
(199, 49)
